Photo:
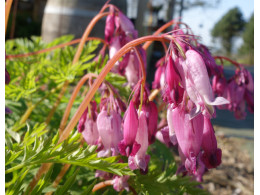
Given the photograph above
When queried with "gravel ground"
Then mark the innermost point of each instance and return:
(235, 176)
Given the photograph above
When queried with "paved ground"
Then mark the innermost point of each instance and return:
(226, 124)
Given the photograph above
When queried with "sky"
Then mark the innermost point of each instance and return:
(202, 20)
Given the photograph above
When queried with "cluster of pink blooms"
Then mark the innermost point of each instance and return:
(239, 90)
(184, 77)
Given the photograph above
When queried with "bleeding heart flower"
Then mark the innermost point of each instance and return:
(151, 113)
(198, 86)
(87, 124)
(129, 130)
(139, 159)
(212, 154)
(109, 128)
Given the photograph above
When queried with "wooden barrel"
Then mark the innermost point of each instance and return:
(62, 17)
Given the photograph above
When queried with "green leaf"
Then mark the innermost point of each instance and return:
(16, 187)
(89, 188)
(42, 183)
(69, 182)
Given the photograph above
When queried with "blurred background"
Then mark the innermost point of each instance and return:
(225, 26)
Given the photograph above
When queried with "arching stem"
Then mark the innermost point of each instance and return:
(86, 34)
(72, 98)
(102, 185)
(161, 29)
(75, 60)
(100, 79)
(55, 47)
(143, 76)
(8, 6)
(227, 59)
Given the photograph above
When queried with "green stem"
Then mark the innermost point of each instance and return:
(27, 114)
(14, 168)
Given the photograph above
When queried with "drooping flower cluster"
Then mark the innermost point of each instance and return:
(184, 77)
(119, 30)
(191, 101)
(239, 90)
(185, 82)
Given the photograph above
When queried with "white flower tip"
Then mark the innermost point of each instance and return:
(218, 101)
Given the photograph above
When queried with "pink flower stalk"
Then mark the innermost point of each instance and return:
(198, 86)
(87, 125)
(211, 156)
(151, 114)
(139, 159)
(180, 40)
(109, 128)
(129, 130)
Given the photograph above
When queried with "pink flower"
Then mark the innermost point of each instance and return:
(120, 183)
(249, 97)
(119, 30)
(188, 132)
(159, 79)
(110, 27)
(189, 136)
(90, 133)
(219, 83)
(172, 92)
(139, 159)
(235, 94)
(109, 128)
(164, 137)
(151, 114)
(132, 70)
(198, 86)
(212, 154)
(87, 125)
(212, 67)
(127, 26)
(129, 130)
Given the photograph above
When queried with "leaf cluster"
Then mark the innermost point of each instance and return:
(22, 157)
